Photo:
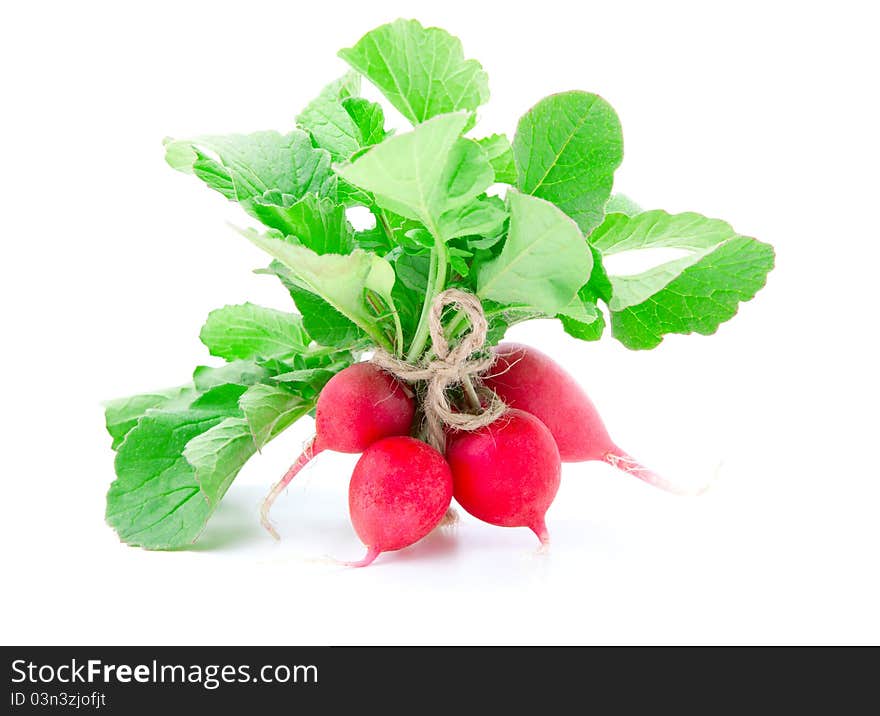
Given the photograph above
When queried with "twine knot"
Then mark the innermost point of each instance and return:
(449, 367)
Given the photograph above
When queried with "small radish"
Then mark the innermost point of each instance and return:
(399, 491)
(358, 406)
(506, 473)
(525, 378)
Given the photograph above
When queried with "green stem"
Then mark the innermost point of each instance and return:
(455, 325)
(386, 227)
(458, 322)
(398, 334)
(378, 310)
(381, 340)
(472, 397)
(398, 327)
(436, 283)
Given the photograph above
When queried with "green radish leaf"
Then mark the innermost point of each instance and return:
(310, 381)
(369, 118)
(498, 328)
(270, 410)
(244, 166)
(479, 243)
(584, 320)
(502, 317)
(543, 263)
(217, 455)
(341, 281)
(566, 149)
(409, 290)
(500, 153)
(388, 234)
(350, 195)
(430, 175)
(318, 223)
(622, 204)
(303, 375)
(176, 464)
(422, 71)
(155, 501)
(692, 294)
(239, 372)
(249, 331)
(483, 217)
(327, 121)
(322, 322)
(599, 284)
(458, 260)
(375, 240)
(223, 398)
(122, 414)
(343, 124)
(581, 308)
(412, 270)
(459, 265)
(418, 240)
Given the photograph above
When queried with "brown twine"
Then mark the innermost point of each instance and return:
(449, 367)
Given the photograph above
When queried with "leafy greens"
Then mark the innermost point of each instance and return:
(533, 248)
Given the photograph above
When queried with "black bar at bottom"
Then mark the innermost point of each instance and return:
(133, 680)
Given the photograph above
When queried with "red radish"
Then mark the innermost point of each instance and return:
(527, 379)
(399, 491)
(358, 406)
(506, 473)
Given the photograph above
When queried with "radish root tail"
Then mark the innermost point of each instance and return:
(449, 519)
(307, 455)
(368, 559)
(623, 461)
(540, 529)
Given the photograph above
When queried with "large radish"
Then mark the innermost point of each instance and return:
(506, 473)
(358, 406)
(527, 379)
(400, 489)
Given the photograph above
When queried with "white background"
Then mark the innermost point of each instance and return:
(764, 114)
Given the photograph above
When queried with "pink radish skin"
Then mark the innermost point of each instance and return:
(400, 489)
(358, 406)
(527, 379)
(506, 473)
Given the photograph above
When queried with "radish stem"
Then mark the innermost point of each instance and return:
(436, 282)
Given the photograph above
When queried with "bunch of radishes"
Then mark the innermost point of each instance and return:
(506, 473)
(371, 229)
